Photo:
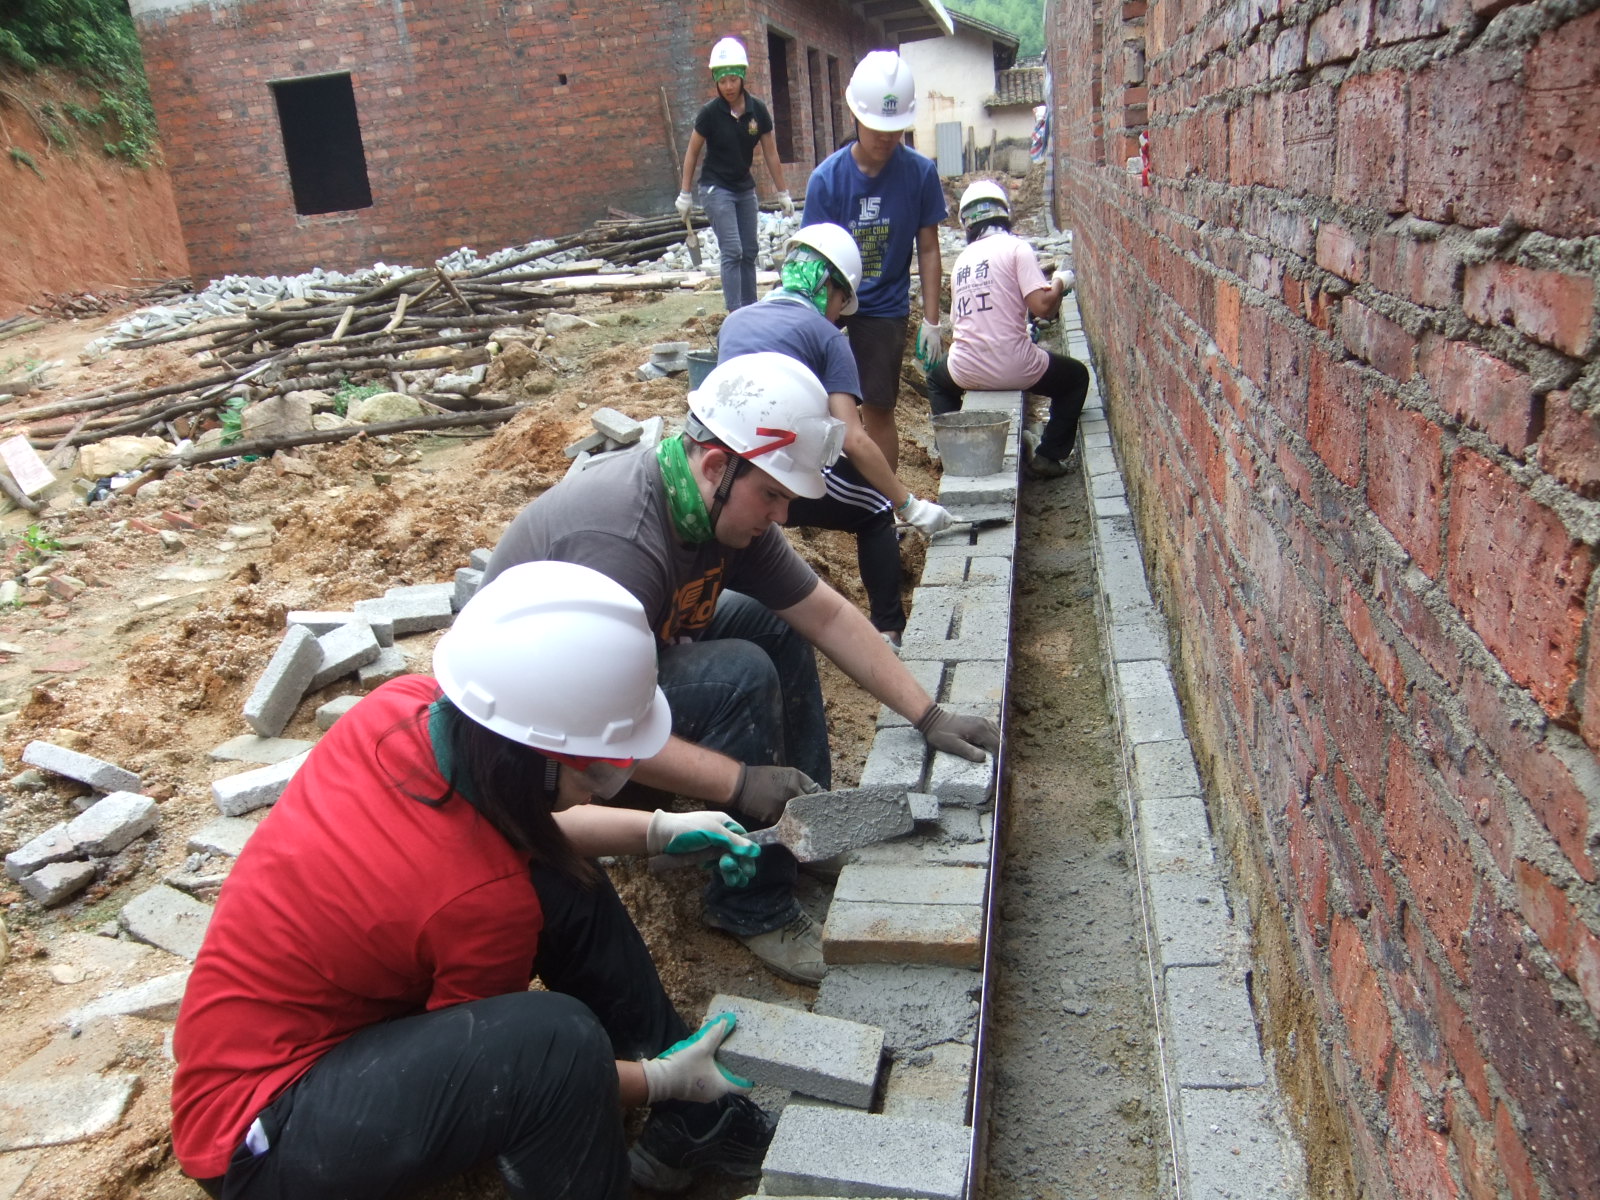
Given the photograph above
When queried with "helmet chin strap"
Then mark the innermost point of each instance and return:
(730, 472)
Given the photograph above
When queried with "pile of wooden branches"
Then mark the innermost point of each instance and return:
(374, 334)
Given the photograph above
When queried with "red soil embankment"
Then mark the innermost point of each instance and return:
(82, 220)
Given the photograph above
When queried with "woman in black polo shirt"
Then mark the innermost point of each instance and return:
(727, 131)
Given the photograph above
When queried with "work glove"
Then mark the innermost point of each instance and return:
(955, 733)
(1068, 279)
(708, 836)
(930, 344)
(786, 202)
(683, 203)
(689, 1070)
(763, 791)
(927, 516)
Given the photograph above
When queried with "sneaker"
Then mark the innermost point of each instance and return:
(793, 952)
(1042, 466)
(892, 636)
(667, 1156)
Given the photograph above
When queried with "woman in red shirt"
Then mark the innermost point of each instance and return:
(359, 1021)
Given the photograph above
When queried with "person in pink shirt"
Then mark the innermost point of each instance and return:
(995, 285)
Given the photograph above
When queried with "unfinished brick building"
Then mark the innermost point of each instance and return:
(1344, 317)
(343, 132)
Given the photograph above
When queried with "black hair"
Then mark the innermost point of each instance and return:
(512, 786)
(978, 228)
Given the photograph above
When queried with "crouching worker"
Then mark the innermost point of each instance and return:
(994, 286)
(818, 285)
(358, 1021)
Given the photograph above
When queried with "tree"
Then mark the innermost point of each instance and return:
(1025, 18)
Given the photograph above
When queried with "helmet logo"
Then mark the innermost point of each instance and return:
(891, 104)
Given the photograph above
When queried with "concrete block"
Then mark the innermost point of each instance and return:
(924, 807)
(969, 543)
(166, 918)
(911, 886)
(834, 1152)
(58, 882)
(896, 759)
(1099, 460)
(955, 624)
(956, 780)
(956, 854)
(1105, 486)
(478, 560)
(318, 621)
(344, 650)
(433, 592)
(825, 1057)
(1213, 1033)
(225, 835)
(97, 773)
(1111, 506)
(1232, 1148)
(250, 790)
(930, 1085)
(977, 687)
(412, 611)
(1173, 827)
(252, 748)
(1148, 702)
(278, 691)
(1165, 769)
(1137, 632)
(1189, 912)
(916, 1007)
(1092, 440)
(391, 663)
(587, 444)
(946, 935)
(929, 673)
(468, 581)
(961, 825)
(958, 570)
(956, 491)
(52, 846)
(618, 426)
(56, 1112)
(156, 999)
(111, 822)
(334, 709)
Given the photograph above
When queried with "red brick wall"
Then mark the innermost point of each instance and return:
(1347, 335)
(470, 138)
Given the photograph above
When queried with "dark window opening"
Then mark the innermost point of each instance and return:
(322, 144)
(843, 130)
(821, 140)
(782, 99)
(562, 80)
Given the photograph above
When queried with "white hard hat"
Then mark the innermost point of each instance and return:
(558, 657)
(882, 94)
(729, 52)
(836, 245)
(771, 411)
(986, 198)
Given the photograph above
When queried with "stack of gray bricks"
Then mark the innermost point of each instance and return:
(904, 932)
(1224, 1115)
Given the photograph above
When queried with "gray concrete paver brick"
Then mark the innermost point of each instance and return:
(1232, 1148)
(1213, 1029)
(330, 712)
(832, 1151)
(826, 1057)
(916, 1007)
(283, 683)
(391, 663)
(52, 846)
(249, 790)
(111, 822)
(156, 999)
(948, 935)
(225, 835)
(910, 885)
(55, 1112)
(85, 768)
(166, 918)
(57, 882)
(896, 759)
(1165, 769)
(1190, 913)
(344, 651)
(931, 1085)
(263, 751)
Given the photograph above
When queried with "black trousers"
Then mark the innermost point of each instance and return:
(1065, 383)
(852, 505)
(526, 1079)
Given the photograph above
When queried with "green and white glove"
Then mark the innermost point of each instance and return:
(710, 837)
(689, 1070)
(930, 344)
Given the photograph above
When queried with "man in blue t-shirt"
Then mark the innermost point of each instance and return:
(889, 198)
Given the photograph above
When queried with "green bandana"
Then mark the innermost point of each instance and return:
(688, 509)
(720, 73)
(806, 277)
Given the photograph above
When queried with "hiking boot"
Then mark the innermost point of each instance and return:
(793, 952)
(1042, 466)
(667, 1156)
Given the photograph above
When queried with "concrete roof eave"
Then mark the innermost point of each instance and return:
(908, 20)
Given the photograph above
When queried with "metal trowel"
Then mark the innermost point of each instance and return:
(824, 824)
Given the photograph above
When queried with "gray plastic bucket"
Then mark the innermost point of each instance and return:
(700, 364)
(972, 443)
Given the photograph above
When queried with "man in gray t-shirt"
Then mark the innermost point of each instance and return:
(691, 529)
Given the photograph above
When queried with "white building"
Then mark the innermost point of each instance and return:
(971, 97)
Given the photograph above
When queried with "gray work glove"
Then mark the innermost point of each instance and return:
(763, 791)
(955, 733)
(690, 1070)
